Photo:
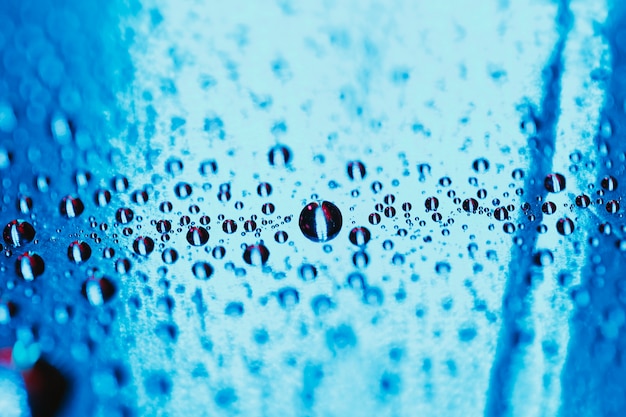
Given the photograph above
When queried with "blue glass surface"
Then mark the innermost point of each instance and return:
(292, 208)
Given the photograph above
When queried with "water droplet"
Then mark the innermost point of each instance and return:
(249, 226)
(119, 183)
(543, 258)
(470, 205)
(79, 251)
(18, 232)
(281, 236)
(264, 189)
(71, 207)
(548, 207)
(320, 222)
(612, 206)
(517, 174)
(166, 207)
(219, 252)
(431, 203)
(554, 183)
(208, 167)
(288, 297)
(42, 182)
(182, 190)
(321, 304)
(229, 226)
(565, 226)
(374, 218)
(609, 183)
(140, 197)
(501, 213)
(268, 208)
(360, 236)
(24, 204)
(481, 165)
(202, 270)
(256, 255)
(508, 228)
(174, 166)
(356, 170)
(102, 197)
(279, 156)
(98, 291)
(143, 245)
(307, 272)
(122, 266)
(29, 266)
(389, 212)
(124, 215)
(360, 259)
(163, 226)
(169, 256)
(583, 201)
(197, 236)
(234, 309)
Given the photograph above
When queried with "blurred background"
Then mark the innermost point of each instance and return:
(312, 209)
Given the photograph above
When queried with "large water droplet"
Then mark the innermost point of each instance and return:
(320, 222)
(18, 232)
(609, 183)
(565, 226)
(124, 215)
(71, 207)
(29, 266)
(470, 205)
(143, 245)
(79, 251)
(197, 236)
(554, 183)
(102, 197)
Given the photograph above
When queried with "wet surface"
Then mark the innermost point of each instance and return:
(343, 208)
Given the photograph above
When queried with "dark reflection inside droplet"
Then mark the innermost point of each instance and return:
(320, 222)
